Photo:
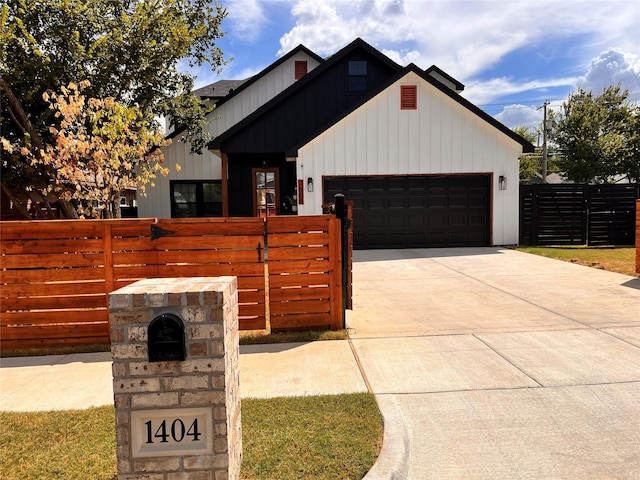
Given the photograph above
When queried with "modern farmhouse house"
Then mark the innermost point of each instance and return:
(423, 166)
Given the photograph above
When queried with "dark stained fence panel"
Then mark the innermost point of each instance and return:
(612, 211)
(571, 214)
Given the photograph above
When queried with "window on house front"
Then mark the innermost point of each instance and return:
(196, 198)
(357, 70)
(300, 69)
(408, 97)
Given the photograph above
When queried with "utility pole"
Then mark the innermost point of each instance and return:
(544, 142)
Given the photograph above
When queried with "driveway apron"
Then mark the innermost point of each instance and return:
(489, 363)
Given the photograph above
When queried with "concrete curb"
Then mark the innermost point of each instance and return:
(393, 462)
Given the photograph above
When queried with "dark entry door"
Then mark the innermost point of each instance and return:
(416, 211)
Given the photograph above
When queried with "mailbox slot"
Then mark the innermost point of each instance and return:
(166, 339)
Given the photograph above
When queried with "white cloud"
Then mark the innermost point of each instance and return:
(482, 92)
(610, 68)
(516, 115)
(247, 18)
(462, 37)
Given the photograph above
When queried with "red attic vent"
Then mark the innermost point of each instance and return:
(408, 97)
(300, 69)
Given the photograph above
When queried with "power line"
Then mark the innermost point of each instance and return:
(523, 103)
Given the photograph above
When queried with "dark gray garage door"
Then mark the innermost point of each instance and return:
(416, 211)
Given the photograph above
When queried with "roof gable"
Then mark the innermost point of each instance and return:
(222, 91)
(527, 147)
(273, 66)
(289, 108)
(322, 92)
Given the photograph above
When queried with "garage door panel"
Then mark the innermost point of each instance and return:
(457, 201)
(377, 183)
(416, 201)
(396, 183)
(477, 220)
(436, 220)
(416, 221)
(436, 201)
(417, 211)
(415, 183)
(478, 201)
(459, 220)
(397, 221)
(397, 203)
(376, 203)
(374, 222)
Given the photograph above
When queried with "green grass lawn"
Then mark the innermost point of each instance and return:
(621, 260)
(324, 437)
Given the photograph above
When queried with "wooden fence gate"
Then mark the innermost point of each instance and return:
(576, 214)
(56, 274)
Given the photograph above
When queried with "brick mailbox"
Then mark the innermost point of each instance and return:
(174, 343)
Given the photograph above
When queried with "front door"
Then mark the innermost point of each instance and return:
(265, 192)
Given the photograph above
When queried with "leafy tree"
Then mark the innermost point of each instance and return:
(101, 149)
(531, 163)
(598, 136)
(629, 163)
(129, 50)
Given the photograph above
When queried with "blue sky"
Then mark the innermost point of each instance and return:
(511, 55)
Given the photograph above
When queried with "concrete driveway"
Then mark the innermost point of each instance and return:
(495, 364)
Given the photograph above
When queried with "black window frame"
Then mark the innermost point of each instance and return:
(357, 76)
(200, 210)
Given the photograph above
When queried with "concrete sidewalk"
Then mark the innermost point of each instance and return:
(487, 363)
(62, 382)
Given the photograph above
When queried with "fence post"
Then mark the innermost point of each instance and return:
(341, 214)
(107, 245)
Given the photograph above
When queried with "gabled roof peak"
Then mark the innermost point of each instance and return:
(444, 77)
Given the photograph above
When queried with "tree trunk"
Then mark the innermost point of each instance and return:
(68, 209)
(19, 115)
(22, 121)
(117, 211)
(21, 208)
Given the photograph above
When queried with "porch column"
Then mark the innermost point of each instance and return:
(225, 184)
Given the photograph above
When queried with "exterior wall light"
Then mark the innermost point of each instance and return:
(502, 182)
(309, 184)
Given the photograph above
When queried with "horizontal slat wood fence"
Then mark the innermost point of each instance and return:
(305, 286)
(56, 274)
(578, 214)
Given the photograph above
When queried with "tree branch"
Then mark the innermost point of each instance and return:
(21, 208)
(19, 116)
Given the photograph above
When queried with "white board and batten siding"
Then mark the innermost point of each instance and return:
(207, 166)
(439, 137)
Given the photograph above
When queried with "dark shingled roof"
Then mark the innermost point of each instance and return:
(219, 89)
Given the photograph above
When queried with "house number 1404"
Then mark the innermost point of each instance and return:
(171, 431)
(177, 431)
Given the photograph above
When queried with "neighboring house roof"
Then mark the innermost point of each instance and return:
(219, 89)
(278, 102)
(274, 65)
(224, 90)
(459, 87)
